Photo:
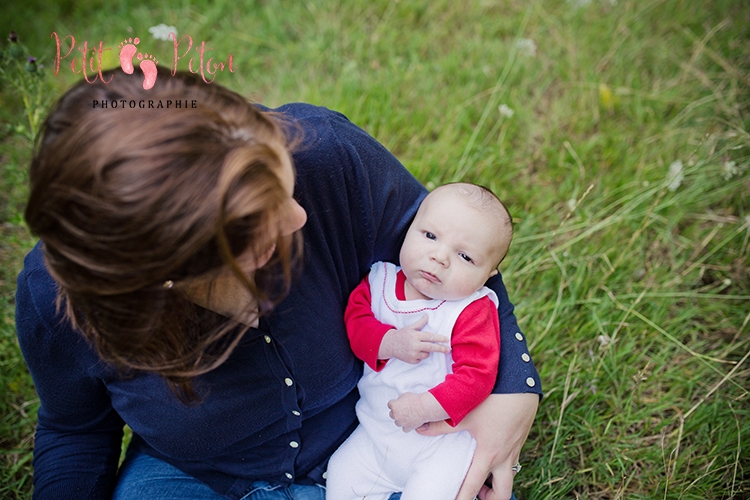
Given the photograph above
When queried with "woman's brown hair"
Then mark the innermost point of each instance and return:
(130, 199)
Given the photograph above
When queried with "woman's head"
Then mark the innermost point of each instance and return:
(125, 199)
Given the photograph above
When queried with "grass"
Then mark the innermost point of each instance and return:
(634, 296)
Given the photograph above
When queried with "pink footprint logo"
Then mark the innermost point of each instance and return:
(127, 51)
(148, 64)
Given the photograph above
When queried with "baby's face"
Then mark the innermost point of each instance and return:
(451, 247)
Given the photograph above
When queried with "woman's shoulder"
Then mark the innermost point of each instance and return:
(35, 287)
(302, 110)
(325, 128)
(310, 120)
(38, 316)
(305, 110)
(46, 337)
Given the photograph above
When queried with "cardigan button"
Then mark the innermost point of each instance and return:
(294, 444)
(289, 382)
(296, 413)
(530, 382)
(525, 357)
(519, 337)
(289, 476)
(267, 339)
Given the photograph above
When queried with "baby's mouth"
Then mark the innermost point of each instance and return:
(430, 277)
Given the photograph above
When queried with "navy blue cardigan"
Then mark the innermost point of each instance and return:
(291, 380)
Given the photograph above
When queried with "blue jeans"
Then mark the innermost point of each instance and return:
(143, 476)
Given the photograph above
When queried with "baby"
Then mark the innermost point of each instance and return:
(401, 322)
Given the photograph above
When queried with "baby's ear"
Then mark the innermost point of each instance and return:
(493, 273)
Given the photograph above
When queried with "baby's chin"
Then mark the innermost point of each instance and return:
(442, 296)
(432, 291)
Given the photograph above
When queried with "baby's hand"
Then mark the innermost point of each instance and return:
(411, 345)
(411, 410)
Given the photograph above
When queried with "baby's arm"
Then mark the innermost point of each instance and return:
(411, 410)
(374, 342)
(365, 332)
(476, 350)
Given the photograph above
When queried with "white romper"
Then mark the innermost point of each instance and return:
(379, 458)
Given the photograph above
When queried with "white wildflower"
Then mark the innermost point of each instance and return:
(505, 110)
(604, 340)
(572, 204)
(162, 31)
(592, 386)
(675, 176)
(729, 170)
(526, 47)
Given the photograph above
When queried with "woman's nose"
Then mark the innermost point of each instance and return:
(295, 220)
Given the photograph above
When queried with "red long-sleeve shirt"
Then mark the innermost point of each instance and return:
(475, 344)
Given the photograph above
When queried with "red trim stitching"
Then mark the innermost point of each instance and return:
(385, 299)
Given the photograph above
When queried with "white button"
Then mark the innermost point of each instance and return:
(525, 357)
(530, 382)
(325, 475)
(288, 476)
(519, 336)
(268, 339)
(294, 444)
(288, 382)
(296, 413)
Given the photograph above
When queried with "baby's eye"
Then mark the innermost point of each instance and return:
(429, 235)
(465, 257)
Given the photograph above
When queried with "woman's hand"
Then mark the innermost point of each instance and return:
(500, 425)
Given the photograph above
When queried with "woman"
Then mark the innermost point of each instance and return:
(158, 224)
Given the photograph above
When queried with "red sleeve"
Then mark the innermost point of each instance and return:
(364, 331)
(475, 344)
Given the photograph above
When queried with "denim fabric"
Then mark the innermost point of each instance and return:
(266, 491)
(143, 476)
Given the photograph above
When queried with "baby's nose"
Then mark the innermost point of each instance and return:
(441, 257)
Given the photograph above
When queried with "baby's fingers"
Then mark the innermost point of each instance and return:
(432, 343)
(419, 324)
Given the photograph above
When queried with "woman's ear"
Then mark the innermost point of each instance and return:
(493, 273)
